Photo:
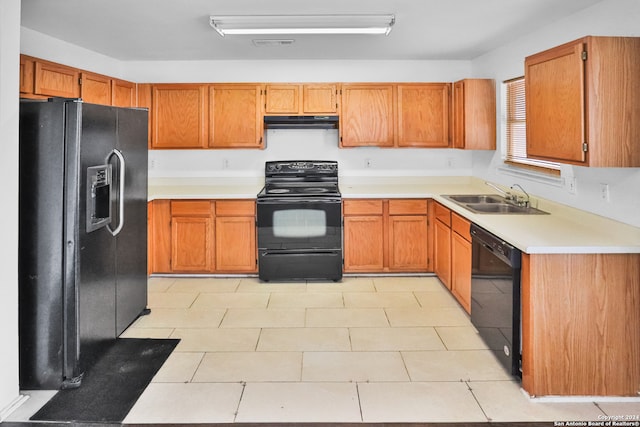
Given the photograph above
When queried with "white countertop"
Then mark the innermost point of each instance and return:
(564, 230)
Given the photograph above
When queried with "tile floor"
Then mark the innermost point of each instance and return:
(383, 349)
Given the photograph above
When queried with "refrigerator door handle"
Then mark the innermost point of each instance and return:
(122, 167)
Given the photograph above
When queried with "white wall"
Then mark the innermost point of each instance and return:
(607, 18)
(9, 83)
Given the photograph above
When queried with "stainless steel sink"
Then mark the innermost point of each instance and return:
(492, 204)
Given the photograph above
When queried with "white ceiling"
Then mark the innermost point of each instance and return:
(179, 29)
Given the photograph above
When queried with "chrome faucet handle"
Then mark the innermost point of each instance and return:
(521, 200)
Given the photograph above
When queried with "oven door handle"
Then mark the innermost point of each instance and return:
(304, 200)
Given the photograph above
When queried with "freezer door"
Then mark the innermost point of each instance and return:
(95, 250)
(131, 241)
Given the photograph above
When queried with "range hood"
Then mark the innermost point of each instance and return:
(300, 122)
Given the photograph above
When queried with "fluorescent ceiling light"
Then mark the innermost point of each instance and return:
(301, 24)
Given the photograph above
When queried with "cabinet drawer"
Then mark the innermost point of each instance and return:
(408, 207)
(461, 226)
(362, 207)
(443, 214)
(236, 208)
(191, 208)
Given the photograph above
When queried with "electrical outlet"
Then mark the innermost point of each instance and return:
(572, 185)
(604, 192)
(368, 163)
(450, 163)
(225, 163)
(152, 164)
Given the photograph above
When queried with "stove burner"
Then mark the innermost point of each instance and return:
(279, 190)
(315, 190)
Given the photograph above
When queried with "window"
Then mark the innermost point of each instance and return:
(517, 131)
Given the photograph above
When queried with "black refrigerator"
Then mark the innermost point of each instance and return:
(82, 234)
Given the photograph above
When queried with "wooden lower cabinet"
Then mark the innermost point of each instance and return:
(202, 236)
(442, 244)
(236, 236)
(461, 260)
(385, 235)
(580, 324)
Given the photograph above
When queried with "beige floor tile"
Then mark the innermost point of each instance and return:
(186, 403)
(135, 332)
(395, 339)
(474, 365)
(461, 338)
(254, 285)
(210, 339)
(249, 366)
(263, 318)
(231, 300)
(170, 299)
(159, 284)
(299, 402)
(418, 402)
(353, 366)
(181, 318)
(503, 401)
(347, 284)
(306, 300)
(304, 339)
(436, 299)
(379, 299)
(205, 284)
(346, 317)
(178, 368)
(447, 316)
(395, 284)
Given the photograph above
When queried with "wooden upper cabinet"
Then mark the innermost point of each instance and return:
(282, 99)
(236, 116)
(367, 115)
(320, 98)
(294, 99)
(27, 71)
(56, 80)
(95, 88)
(581, 102)
(179, 116)
(123, 93)
(423, 114)
(474, 114)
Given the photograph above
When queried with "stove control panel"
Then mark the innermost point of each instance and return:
(301, 168)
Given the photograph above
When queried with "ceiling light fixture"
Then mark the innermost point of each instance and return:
(301, 24)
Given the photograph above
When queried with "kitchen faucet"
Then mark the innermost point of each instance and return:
(521, 201)
(510, 197)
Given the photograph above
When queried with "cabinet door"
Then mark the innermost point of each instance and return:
(27, 70)
(179, 116)
(282, 99)
(423, 115)
(160, 236)
(236, 244)
(408, 243)
(56, 80)
(191, 236)
(367, 117)
(474, 114)
(320, 99)
(95, 89)
(554, 91)
(442, 243)
(363, 244)
(123, 93)
(236, 119)
(461, 270)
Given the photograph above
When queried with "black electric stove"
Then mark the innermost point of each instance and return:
(300, 222)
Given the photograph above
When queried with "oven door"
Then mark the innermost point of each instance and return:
(294, 223)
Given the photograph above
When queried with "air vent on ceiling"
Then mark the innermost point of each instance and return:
(272, 42)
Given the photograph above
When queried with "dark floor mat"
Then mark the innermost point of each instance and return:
(112, 385)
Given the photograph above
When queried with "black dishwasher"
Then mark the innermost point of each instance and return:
(495, 296)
